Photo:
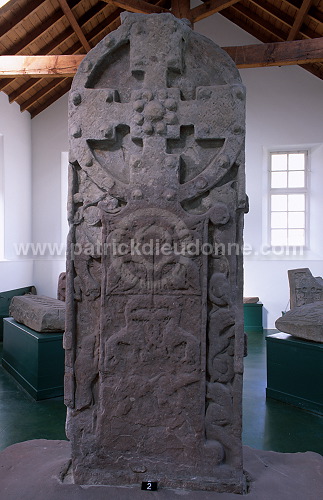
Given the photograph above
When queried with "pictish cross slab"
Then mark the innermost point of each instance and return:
(154, 335)
(154, 115)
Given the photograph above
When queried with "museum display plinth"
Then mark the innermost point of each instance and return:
(35, 360)
(295, 371)
(253, 318)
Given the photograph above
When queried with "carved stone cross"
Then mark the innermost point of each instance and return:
(155, 337)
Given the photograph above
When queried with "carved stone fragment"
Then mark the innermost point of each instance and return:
(304, 287)
(305, 322)
(250, 300)
(40, 313)
(154, 340)
(61, 287)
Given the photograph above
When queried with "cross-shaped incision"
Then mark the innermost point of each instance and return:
(158, 134)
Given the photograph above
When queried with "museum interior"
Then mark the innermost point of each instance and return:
(282, 390)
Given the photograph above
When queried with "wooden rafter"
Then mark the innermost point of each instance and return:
(139, 6)
(8, 6)
(209, 8)
(277, 54)
(34, 66)
(41, 93)
(181, 9)
(277, 14)
(107, 25)
(29, 24)
(5, 81)
(249, 56)
(38, 31)
(263, 35)
(17, 17)
(75, 25)
(65, 87)
(302, 13)
(53, 45)
(274, 12)
(314, 13)
(275, 33)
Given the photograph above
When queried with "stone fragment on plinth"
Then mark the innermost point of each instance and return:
(304, 287)
(154, 339)
(38, 312)
(305, 322)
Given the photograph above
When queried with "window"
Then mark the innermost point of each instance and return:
(288, 198)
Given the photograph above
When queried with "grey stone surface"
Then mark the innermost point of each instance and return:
(37, 470)
(155, 341)
(305, 322)
(304, 287)
(250, 300)
(40, 313)
(61, 287)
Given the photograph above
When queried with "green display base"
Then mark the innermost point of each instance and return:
(295, 371)
(253, 318)
(35, 360)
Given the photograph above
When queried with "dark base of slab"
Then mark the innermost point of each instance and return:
(38, 470)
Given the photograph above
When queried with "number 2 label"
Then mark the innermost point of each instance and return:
(149, 485)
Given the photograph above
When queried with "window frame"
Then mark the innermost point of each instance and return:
(303, 190)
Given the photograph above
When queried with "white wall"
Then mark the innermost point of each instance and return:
(49, 140)
(15, 194)
(284, 108)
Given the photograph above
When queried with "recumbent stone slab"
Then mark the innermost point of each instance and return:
(305, 322)
(38, 312)
(154, 339)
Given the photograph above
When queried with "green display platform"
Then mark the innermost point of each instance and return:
(5, 299)
(295, 371)
(35, 360)
(253, 318)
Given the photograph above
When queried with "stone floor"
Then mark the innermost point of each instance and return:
(267, 425)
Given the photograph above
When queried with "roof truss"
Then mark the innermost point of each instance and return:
(248, 56)
(62, 31)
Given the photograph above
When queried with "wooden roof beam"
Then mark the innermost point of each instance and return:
(18, 16)
(138, 6)
(274, 11)
(249, 56)
(41, 93)
(277, 54)
(301, 15)
(54, 45)
(211, 7)
(283, 17)
(314, 13)
(264, 36)
(37, 32)
(276, 34)
(35, 66)
(64, 88)
(75, 25)
(5, 81)
(181, 9)
(7, 7)
(110, 22)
